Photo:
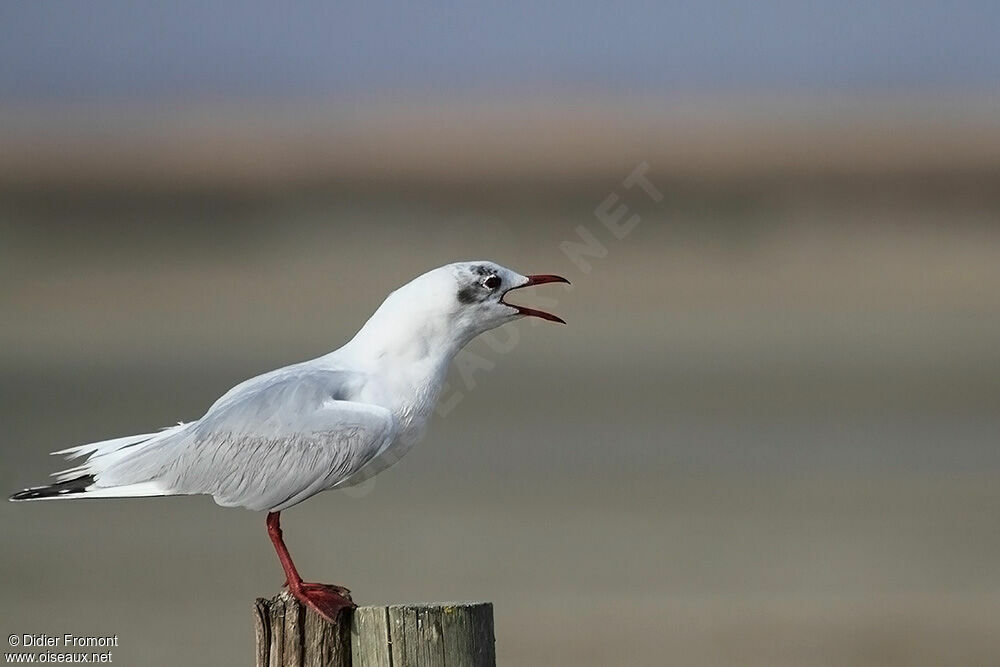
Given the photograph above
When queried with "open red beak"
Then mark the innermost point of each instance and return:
(539, 279)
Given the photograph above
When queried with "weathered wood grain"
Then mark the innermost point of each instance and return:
(290, 635)
(418, 635)
(370, 637)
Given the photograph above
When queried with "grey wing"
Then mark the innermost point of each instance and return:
(276, 443)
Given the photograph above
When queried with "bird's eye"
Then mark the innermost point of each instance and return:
(492, 282)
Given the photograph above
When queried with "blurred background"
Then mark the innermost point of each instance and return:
(768, 435)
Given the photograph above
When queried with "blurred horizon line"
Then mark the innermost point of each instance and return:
(226, 144)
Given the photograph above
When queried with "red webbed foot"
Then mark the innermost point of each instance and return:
(327, 600)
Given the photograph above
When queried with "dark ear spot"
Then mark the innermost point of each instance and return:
(468, 294)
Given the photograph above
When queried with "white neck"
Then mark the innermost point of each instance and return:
(409, 328)
(405, 348)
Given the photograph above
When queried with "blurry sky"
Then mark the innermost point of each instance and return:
(117, 48)
(768, 435)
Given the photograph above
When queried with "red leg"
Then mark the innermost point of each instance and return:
(325, 599)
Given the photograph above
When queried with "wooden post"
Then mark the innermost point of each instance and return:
(290, 635)
(421, 635)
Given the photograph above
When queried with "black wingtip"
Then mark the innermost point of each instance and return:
(60, 490)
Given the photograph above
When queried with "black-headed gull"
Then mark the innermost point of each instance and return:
(331, 422)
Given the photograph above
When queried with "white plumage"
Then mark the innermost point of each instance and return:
(281, 437)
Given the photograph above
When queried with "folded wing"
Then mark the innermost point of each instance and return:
(274, 443)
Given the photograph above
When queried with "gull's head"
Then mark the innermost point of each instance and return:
(453, 304)
(481, 288)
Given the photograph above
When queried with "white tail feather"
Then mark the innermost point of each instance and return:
(102, 446)
(101, 455)
(140, 490)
